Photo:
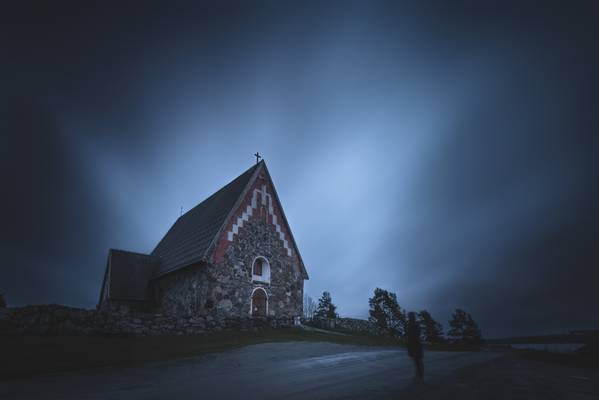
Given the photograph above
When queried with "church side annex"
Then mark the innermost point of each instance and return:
(231, 256)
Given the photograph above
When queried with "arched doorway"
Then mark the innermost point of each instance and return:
(259, 303)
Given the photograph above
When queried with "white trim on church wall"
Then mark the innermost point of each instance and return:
(265, 277)
(249, 211)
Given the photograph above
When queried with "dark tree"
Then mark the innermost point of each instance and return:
(386, 313)
(472, 331)
(432, 331)
(326, 308)
(2, 301)
(464, 328)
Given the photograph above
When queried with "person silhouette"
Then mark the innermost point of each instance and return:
(414, 346)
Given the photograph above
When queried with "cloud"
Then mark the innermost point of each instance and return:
(445, 153)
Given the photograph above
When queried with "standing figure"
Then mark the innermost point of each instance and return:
(414, 345)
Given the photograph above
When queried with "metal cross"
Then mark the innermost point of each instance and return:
(258, 157)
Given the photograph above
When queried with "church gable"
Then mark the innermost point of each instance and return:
(231, 255)
(261, 206)
(259, 201)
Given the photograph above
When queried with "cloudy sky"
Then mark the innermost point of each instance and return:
(445, 153)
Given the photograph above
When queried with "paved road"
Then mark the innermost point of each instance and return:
(291, 370)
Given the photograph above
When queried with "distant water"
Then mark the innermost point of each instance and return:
(551, 347)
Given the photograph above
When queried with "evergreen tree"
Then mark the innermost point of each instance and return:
(464, 328)
(432, 331)
(472, 333)
(386, 314)
(326, 308)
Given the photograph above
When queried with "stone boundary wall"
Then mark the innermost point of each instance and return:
(355, 325)
(56, 319)
(350, 325)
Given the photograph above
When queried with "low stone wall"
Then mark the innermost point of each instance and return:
(61, 320)
(356, 326)
(350, 325)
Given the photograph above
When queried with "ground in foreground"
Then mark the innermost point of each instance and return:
(517, 375)
(26, 356)
(284, 370)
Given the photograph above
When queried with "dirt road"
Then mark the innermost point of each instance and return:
(288, 370)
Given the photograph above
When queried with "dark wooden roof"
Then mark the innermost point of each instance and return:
(191, 235)
(129, 274)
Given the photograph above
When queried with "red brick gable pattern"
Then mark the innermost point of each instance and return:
(255, 205)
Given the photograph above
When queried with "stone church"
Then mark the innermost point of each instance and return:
(232, 255)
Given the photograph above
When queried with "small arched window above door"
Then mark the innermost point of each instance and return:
(261, 270)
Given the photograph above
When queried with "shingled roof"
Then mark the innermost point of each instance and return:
(191, 235)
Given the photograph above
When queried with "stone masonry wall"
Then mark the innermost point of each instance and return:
(356, 325)
(60, 320)
(224, 290)
(286, 287)
(350, 325)
(186, 292)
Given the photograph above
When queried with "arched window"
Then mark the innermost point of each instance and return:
(261, 270)
(263, 214)
(258, 267)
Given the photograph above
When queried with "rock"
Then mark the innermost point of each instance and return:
(225, 306)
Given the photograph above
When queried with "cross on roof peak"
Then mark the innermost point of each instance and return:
(258, 157)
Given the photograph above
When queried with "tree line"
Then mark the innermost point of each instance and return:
(391, 319)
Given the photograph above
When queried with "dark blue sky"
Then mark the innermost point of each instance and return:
(443, 152)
